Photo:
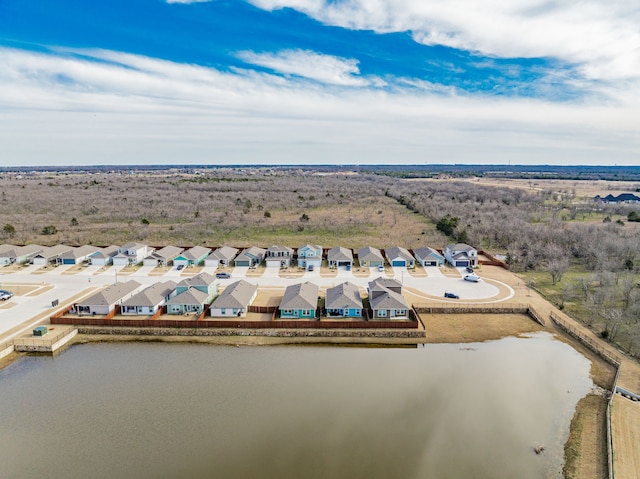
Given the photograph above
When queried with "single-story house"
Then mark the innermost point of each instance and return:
(310, 255)
(104, 301)
(49, 254)
(426, 256)
(163, 256)
(222, 256)
(629, 198)
(190, 301)
(344, 301)
(149, 300)
(250, 256)
(20, 254)
(234, 301)
(370, 257)
(77, 255)
(300, 301)
(461, 255)
(339, 256)
(131, 253)
(104, 256)
(386, 300)
(279, 256)
(192, 257)
(399, 256)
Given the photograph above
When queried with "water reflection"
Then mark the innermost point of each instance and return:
(171, 410)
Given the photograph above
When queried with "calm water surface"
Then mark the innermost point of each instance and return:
(137, 410)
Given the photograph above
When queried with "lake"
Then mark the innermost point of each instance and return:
(158, 410)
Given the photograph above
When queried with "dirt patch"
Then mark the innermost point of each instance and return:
(625, 433)
(467, 328)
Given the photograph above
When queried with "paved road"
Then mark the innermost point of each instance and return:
(64, 285)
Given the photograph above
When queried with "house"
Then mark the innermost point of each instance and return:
(310, 255)
(386, 300)
(49, 254)
(20, 254)
(250, 256)
(131, 254)
(234, 301)
(104, 256)
(279, 256)
(461, 255)
(163, 256)
(629, 198)
(104, 301)
(190, 301)
(192, 294)
(222, 256)
(344, 301)
(370, 257)
(300, 301)
(149, 300)
(76, 255)
(399, 256)
(339, 256)
(192, 257)
(426, 256)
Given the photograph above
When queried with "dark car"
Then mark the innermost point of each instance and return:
(469, 269)
(223, 275)
(180, 266)
(451, 295)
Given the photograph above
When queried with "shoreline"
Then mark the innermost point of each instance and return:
(586, 433)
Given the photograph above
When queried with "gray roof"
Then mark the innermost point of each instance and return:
(345, 295)
(425, 252)
(168, 252)
(300, 296)
(133, 244)
(311, 246)
(236, 295)
(201, 279)
(339, 254)
(251, 253)
(53, 251)
(224, 253)
(107, 252)
(460, 247)
(6, 247)
(190, 296)
(381, 284)
(151, 296)
(281, 249)
(196, 252)
(398, 252)
(369, 253)
(388, 300)
(110, 295)
(74, 253)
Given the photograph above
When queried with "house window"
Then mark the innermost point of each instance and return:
(382, 313)
(223, 311)
(400, 312)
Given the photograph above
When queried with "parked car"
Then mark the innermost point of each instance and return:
(310, 267)
(381, 268)
(348, 267)
(469, 269)
(451, 295)
(180, 266)
(5, 295)
(474, 278)
(223, 275)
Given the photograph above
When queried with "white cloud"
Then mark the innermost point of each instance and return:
(187, 1)
(600, 36)
(108, 107)
(315, 66)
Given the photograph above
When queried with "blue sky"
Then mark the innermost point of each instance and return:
(319, 82)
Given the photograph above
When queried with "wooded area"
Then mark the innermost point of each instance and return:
(583, 255)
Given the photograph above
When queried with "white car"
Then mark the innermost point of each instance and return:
(474, 278)
(5, 295)
(381, 268)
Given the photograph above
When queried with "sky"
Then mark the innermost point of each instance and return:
(319, 82)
